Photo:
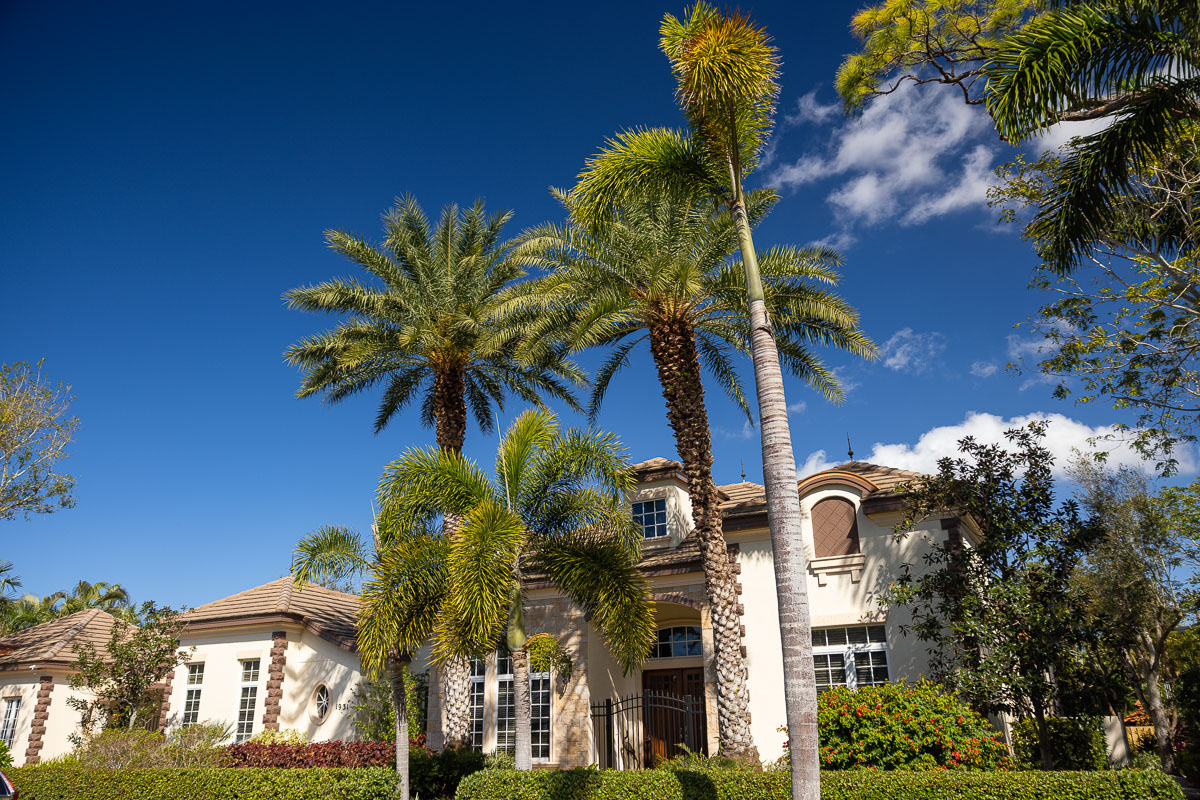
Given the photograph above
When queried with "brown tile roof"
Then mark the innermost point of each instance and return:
(687, 554)
(748, 498)
(52, 642)
(656, 463)
(741, 492)
(886, 479)
(327, 613)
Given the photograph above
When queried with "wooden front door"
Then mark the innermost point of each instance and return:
(673, 712)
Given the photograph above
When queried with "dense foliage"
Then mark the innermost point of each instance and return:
(898, 726)
(73, 783)
(1075, 743)
(848, 785)
(996, 607)
(375, 709)
(34, 434)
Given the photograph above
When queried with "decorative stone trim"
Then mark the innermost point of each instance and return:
(41, 712)
(164, 710)
(824, 567)
(275, 680)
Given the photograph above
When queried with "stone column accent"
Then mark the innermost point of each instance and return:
(275, 680)
(164, 709)
(41, 712)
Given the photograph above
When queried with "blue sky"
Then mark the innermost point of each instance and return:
(170, 170)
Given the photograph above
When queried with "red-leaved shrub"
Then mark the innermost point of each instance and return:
(317, 754)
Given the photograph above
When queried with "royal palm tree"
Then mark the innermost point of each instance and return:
(659, 270)
(555, 507)
(431, 325)
(726, 72)
(1134, 62)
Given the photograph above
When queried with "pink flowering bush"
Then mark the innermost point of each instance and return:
(903, 726)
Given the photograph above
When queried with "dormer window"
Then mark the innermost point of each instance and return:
(835, 528)
(651, 517)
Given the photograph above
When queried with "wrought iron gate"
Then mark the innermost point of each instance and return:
(638, 731)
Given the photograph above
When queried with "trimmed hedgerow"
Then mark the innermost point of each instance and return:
(73, 783)
(843, 785)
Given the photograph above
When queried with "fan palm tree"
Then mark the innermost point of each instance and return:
(555, 508)
(659, 271)
(726, 72)
(432, 326)
(1134, 62)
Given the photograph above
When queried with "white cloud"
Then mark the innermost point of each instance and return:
(1020, 349)
(1057, 135)
(910, 351)
(843, 380)
(1064, 435)
(809, 109)
(984, 369)
(747, 431)
(898, 158)
(836, 241)
(797, 407)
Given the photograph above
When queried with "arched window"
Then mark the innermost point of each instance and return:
(835, 528)
(677, 641)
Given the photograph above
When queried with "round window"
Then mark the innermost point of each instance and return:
(320, 703)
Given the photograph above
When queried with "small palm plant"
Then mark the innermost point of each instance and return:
(555, 508)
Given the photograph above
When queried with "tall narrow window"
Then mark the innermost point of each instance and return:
(651, 517)
(506, 705)
(247, 701)
(539, 714)
(478, 672)
(8, 729)
(835, 528)
(191, 702)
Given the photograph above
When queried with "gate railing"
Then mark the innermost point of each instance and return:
(638, 731)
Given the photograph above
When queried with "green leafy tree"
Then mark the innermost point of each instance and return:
(726, 72)
(432, 325)
(35, 432)
(997, 611)
(1136, 578)
(1125, 329)
(555, 508)
(118, 688)
(658, 270)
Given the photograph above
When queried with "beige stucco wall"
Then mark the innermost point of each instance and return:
(222, 654)
(61, 720)
(23, 684)
(313, 661)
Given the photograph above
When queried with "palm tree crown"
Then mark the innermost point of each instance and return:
(438, 329)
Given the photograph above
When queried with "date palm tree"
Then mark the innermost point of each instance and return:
(727, 73)
(659, 270)
(431, 325)
(555, 508)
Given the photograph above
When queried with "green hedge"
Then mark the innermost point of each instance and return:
(842, 785)
(73, 783)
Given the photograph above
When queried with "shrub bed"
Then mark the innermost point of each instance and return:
(74, 783)
(903, 726)
(843, 785)
(1075, 743)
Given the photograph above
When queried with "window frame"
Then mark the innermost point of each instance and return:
(639, 518)
(314, 708)
(506, 688)
(698, 640)
(849, 650)
(476, 701)
(8, 723)
(191, 698)
(249, 691)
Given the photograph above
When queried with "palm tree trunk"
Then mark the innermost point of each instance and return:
(523, 757)
(400, 700)
(450, 423)
(673, 345)
(783, 517)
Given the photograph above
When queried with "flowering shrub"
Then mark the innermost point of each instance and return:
(902, 726)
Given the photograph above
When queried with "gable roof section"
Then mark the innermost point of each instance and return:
(876, 482)
(329, 614)
(52, 643)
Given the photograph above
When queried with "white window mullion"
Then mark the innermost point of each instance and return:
(247, 700)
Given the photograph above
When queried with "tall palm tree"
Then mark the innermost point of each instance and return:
(555, 508)
(659, 270)
(1134, 62)
(432, 325)
(726, 72)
